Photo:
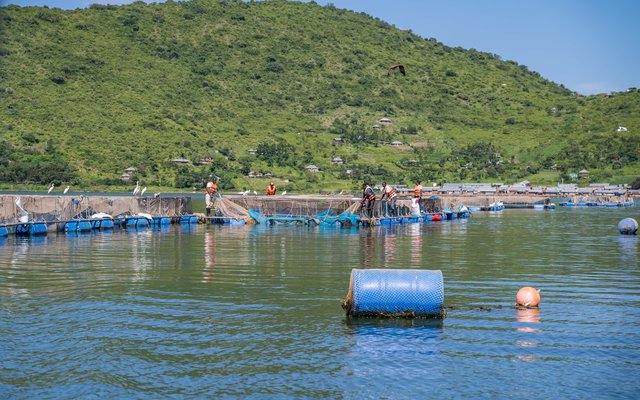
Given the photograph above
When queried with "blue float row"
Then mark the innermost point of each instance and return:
(86, 225)
(594, 204)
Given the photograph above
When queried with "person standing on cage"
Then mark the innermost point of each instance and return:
(390, 193)
(271, 189)
(417, 191)
(210, 192)
(368, 200)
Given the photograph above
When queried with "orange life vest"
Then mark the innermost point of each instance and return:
(211, 188)
(369, 194)
(391, 192)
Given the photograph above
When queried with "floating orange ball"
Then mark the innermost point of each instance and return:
(528, 297)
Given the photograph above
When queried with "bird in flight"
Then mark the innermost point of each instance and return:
(396, 67)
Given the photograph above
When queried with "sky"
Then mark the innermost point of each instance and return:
(589, 46)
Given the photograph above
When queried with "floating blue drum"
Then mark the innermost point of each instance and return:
(32, 228)
(189, 219)
(628, 226)
(104, 223)
(77, 226)
(395, 293)
(161, 221)
(4, 231)
(137, 222)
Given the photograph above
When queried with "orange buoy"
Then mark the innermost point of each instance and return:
(528, 297)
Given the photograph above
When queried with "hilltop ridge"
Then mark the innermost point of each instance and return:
(87, 93)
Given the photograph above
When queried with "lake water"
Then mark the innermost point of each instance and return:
(254, 311)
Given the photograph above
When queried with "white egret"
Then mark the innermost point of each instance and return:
(255, 193)
(66, 190)
(246, 192)
(23, 214)
(340, 192)
(283, 193)
(156, 195)
(137, 188)
(144, 189)
(50, 188)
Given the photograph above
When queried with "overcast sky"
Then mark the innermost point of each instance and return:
(589, 46)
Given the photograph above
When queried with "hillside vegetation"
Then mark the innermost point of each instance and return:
(87, 93)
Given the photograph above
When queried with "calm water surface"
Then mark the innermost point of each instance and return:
(254, 312)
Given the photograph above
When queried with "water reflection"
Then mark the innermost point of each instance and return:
(209, 256)
(527, 316)
(377, 351)
(367, 248)
(628, 249)
(416, 245)
(389, 246)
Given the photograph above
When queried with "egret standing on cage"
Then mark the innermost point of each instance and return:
(66, 190)
(23, 215)
(137, 188)
(50, 188)
(144, 189)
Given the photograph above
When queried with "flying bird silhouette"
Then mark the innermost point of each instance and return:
(396, 67)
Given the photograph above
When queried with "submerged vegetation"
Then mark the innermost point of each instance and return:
(184, 90)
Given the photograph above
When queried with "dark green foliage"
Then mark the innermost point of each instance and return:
(141, 84)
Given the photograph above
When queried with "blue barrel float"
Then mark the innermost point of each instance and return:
(628, 226)
(31, 228)
(188, 219)
(77, 226)
(407, 293)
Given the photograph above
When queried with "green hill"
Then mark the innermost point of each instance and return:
(87, 93)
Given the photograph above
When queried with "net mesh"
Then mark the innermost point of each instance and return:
(66, 208)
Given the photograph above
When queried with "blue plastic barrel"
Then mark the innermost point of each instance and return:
(188, 219)
(395, 293)
(628, 226)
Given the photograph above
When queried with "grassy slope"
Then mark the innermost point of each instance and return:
(142, 84)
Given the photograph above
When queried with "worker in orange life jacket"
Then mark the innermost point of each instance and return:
(271, 189)
(417, 191)
(210, 191)
(368, 200)
(390, 193)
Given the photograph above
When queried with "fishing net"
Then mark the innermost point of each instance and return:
(290, 209)
(228, 209)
